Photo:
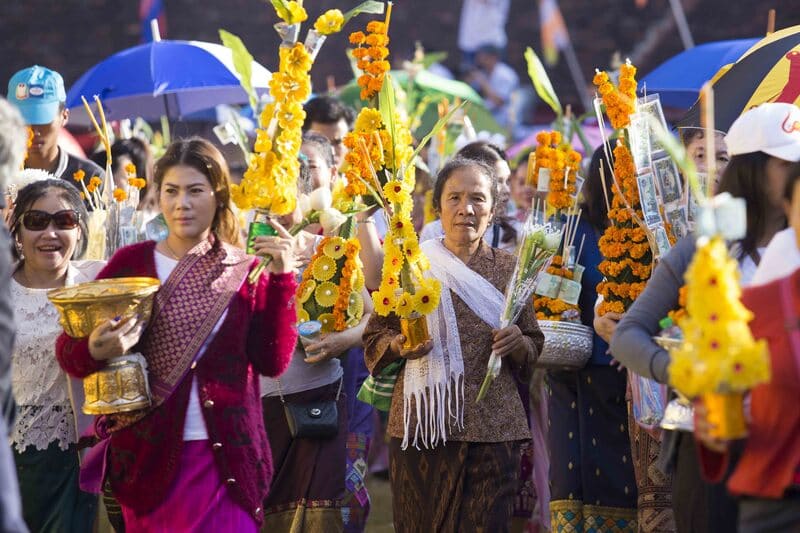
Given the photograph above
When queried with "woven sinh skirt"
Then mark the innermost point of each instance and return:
(308, 484)
(591, 469)
(459, 486)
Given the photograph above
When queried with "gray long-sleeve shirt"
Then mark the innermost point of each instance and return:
(632, 343)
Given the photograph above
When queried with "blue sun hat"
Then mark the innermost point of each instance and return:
(37, 92)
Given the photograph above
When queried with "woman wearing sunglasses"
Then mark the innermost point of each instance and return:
(48, 225)
(198, 458)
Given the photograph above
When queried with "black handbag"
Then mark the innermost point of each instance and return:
(312, 420)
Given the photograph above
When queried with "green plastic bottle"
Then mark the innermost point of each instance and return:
(259, 227)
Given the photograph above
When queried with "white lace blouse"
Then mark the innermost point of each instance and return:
(44, 412)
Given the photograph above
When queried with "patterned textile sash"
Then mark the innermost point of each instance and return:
(185, 311)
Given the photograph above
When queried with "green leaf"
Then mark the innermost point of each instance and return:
(441, 123)
(280, 8)
(541, 82)
(577, 128)
(433, 57)
(242, 63)
(372, 7)
(386, 105)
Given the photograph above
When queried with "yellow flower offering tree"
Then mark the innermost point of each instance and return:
(380, 163)
(718, 360)
(330, 290)
(269, 184)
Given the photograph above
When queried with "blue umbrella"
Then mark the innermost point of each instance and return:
(678, 80)
(163, 78)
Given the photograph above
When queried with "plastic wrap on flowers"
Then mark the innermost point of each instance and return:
(567, 346)
(648, 399)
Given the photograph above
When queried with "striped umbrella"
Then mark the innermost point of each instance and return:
(768, 72)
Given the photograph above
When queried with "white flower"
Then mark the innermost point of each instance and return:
(331, 219)
(321, 199)
(552, 240)
(304, 204)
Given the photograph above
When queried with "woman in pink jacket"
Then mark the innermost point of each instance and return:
(198, 458)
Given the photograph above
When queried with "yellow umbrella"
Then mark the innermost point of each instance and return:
(768, 72)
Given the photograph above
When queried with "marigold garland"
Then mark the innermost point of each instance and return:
(620, 101)
(371, 55)
(558, 156)
(628, 259)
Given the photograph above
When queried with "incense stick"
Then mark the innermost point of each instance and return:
(707, 118)
(580, 249)
(605, 186)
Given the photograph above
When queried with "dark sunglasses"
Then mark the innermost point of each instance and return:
(35, 220)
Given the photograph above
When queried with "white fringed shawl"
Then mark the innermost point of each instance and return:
(436, 381)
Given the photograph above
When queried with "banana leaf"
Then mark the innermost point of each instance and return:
(372, 7)
(242, 63)
(541, 82)
(434, 89)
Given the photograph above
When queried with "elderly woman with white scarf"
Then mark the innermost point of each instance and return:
(454, 463)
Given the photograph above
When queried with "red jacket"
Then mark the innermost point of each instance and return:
(772, 450)
(257, 336)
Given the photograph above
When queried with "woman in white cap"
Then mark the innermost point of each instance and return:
(762, 148)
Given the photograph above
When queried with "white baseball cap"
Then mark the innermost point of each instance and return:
(772, 128)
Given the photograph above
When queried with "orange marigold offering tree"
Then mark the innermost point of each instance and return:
(628, 258)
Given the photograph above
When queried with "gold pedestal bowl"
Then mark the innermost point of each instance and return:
(122, 385)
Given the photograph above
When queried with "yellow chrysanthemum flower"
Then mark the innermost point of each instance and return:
(326, 294)
(334, 248)
(120, 195)
(355, 308)
(368, 120)
(323, 268)
(384, 301)
(329, 22)
(130, 170)
(328, 322)
(305, 290)
(358, 279)
(288, 144)
(405, 305)
(302, 315)
(291, 12)
(291, 116)
(397, 192)
(411, 249)
(283, 87)
(426, 298)
(294, 61)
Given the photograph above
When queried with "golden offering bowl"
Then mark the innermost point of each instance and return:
(121, 386)
(85, 306)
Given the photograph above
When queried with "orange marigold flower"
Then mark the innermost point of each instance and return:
(357, 37)
(376, 26)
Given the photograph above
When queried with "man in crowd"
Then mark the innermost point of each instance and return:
(495, 80)
(38, 93)
(330, 117)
